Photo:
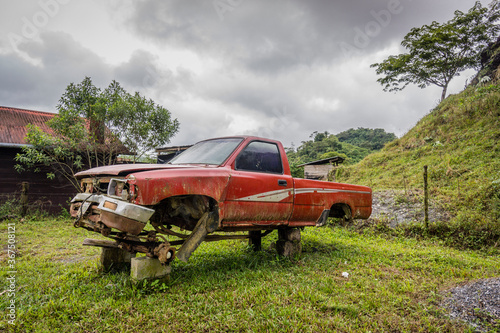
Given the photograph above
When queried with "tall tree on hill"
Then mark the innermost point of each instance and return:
(439, 52)
(94, 126)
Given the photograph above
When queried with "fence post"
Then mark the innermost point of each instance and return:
(426, 200)
(25, 186)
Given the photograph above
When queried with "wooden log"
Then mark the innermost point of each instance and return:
(25, 186)
(289, 234)
(100, 243)
(255, 239)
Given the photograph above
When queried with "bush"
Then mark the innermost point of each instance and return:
(466, 231)
(9, 208)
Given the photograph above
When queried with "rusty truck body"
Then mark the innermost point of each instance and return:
(221, 185)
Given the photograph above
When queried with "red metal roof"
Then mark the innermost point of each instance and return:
(13, 123)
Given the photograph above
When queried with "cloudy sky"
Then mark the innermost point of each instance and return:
(280, 69)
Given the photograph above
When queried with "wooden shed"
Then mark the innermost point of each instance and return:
(320, 169)
(165, 154)
(43, 193)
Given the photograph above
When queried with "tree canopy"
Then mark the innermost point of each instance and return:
(94, 126)
(438, 52)
(372, 139)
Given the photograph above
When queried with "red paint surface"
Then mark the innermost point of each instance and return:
(245, 198)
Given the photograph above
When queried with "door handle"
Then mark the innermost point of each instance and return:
(282, 182)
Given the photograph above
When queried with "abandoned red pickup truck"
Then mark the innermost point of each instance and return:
(228, 184)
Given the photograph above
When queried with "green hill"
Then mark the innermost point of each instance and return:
(371, 139)
(353, 145)
(459, 141)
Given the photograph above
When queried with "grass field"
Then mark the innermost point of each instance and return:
(394, 284)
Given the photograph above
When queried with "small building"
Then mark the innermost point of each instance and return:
(42, 193)
(165, 154)
(320, 169)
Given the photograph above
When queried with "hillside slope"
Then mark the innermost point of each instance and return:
(460, 142)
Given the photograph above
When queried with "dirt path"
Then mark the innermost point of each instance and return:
(396, 206)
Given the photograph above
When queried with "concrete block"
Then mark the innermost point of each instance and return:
(145, 268)
(115, 258)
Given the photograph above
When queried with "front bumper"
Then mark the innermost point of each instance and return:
(92, 209)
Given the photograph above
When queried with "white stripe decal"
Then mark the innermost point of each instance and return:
(280, 195)
(325, 190)
(272, 196)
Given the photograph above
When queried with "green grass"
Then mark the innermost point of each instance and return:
(459, 141)
(394, 284)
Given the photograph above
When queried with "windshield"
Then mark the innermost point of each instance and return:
(208, 152)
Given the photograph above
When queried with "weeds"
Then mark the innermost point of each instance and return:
(10, 208)
(466, 232)
(393, 284)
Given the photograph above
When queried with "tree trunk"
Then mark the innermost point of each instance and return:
(443, 94)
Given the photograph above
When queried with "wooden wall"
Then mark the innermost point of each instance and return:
(43, 193)
(319, 172)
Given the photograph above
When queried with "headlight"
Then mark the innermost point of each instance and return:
(118, 188)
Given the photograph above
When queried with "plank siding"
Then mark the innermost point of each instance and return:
(46, 194)
(319, 172)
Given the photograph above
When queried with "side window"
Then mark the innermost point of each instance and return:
(260, 156)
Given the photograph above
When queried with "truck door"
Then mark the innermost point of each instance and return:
(258, 192)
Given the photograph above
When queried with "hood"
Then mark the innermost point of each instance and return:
(125, 169)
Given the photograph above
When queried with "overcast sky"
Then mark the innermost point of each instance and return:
(278, 69)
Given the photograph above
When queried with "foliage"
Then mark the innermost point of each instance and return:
(294, 160)
(94, 126)
(11, 209)
(372, 139)
(140, 124)
(320, 144)
(394, 284)
(440, 51)
(468, 230)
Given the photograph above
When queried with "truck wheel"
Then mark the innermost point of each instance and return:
(255, 240)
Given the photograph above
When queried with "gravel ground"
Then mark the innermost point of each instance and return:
(399, 207)
(478, 302)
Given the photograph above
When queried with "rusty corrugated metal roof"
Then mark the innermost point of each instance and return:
(13, 123)
(336, 160)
